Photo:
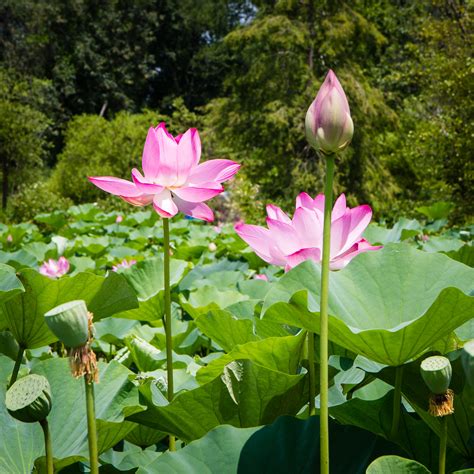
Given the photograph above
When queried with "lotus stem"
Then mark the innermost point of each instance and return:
(16, 368)
(397, 401)
(48, 447)
(167, 321)
(91, 426)
(324, 330)
(442, 445)
(312, 375)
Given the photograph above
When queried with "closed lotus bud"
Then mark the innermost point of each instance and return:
(467, 359)
(29, 399)
(329, 126)
(436, 372)
(70, 323)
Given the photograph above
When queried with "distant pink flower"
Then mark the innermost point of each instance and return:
(425, 237)
(55, 268)
(173, 180)
(9, 238)
(329, 126)
(212, 247)
(118, 219)
(287, 242)
(260, 276)
(124, 264)
(218, 228)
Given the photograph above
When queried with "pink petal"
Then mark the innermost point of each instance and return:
(213, 170)
(308, 224)
(151, 155)
(116, 186)
(274, 212)
(189, 153)
(304, 200)
(260, 240)
(284, 236)
(142, 200)
(198, 210)
(346, 230)
(198, 194)
(339, 208)
(143, 184)
(167, 172)
(164, 204)
(342, 260)
(303, 255)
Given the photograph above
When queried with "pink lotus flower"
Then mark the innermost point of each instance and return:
(260, 276)
(55, 268)
(9, 238)
(329, 126)
(124, 264)
(118, 219)
(287, 242)
(173, 180)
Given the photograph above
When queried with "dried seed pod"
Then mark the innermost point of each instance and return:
(70, 323)
(436, 372)
(29, 399)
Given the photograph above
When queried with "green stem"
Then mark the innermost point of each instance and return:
(16, 368)
(324, 331)
(397, 401)
(169, 336)
(48, 447)
(91, 427)
(442, 445)
(312, 375)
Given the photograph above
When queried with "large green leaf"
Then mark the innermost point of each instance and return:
(286, 446)
(10, 285)
(24, 313)
(246, 394)
(116, 398)
(147, 279)
(396, 465)
(277, 353)
(389, 305)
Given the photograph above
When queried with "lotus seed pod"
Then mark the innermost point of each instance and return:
(70, 323)
(8, 345)
(29, 399)
(436, 372)
(467, 359)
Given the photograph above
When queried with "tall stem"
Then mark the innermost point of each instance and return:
(16, 368)
(324, 331)
(48, 447)
(397, 400)
(312, 375)
(169, 336)
(442, 445)
(91, 427)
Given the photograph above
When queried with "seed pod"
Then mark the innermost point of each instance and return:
(467, 359)
(436, 372)
(69, 322)
(29, 399)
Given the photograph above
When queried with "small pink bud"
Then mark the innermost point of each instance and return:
(9, 238)
(119, 219)
(328, 123)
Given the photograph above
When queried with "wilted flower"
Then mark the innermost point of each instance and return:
(329, 126)
(118, 219)
(55, 268)
(287, 242)
(173, 180)
(124, 264)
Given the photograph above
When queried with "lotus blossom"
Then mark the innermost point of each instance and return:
(124, 264)
(260, 276)
(118, 219)
(287, 242)
(55, 268)
(172, 179)
(329, 126)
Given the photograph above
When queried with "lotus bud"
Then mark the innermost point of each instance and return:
(29, 399)
(70, 323)
(328, 123)
(467, 359)
(436, 371)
